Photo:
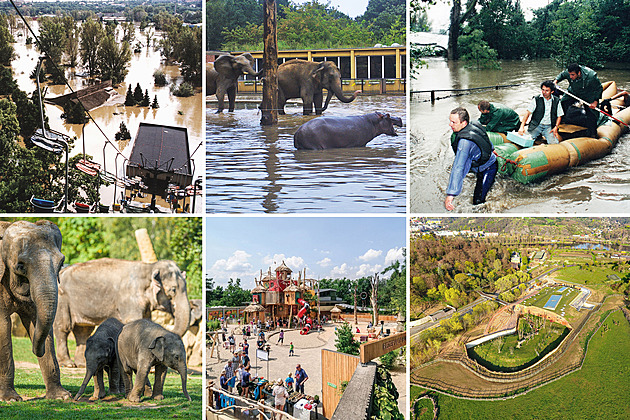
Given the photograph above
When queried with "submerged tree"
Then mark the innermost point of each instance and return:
(91, 35)
(113, 59)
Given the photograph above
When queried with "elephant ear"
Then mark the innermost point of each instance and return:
(111, 345)
(3, 228)
(317, 73)
(249, 58)
(156, 281)
(157, 348)
(224, 65)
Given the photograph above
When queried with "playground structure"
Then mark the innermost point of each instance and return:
(282, 297)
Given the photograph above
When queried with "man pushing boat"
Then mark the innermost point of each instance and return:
(546, 113)
(473, 152)
(584, 84)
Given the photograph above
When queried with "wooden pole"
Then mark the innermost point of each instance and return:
(269, 106)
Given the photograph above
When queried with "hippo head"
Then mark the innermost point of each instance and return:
(385, 124)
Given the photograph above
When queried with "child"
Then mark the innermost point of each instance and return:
(289, 381)
(291, 349)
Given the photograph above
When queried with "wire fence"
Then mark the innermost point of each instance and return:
(512, 384)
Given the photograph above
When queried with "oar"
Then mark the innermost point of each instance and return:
(587, 104)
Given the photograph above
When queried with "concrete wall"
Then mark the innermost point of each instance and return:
(356, 401)
(489, 337)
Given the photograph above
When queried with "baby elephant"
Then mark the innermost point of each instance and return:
(143, 344)
(335, 132)
(100, 354)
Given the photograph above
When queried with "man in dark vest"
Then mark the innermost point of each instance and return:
(473, 152)
(546, 113)
(584, 84)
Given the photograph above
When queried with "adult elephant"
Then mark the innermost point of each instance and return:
(29, 268)
(93, 291)
(222, 77)
(306, 80)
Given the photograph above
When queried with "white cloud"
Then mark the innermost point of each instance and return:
(370, 255)
(340, 271)
(294, 263)
(368, 270)
(394, 254)
(325, 262)
(238, 261)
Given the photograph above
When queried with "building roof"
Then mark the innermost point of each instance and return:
(283, 267)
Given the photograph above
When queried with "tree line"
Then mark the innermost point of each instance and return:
(236, 25)
(590, 32)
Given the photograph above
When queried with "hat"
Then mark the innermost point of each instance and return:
(280, 381)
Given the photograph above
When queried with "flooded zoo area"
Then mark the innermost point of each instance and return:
(599, 186)
(255, 168)
(98, 139)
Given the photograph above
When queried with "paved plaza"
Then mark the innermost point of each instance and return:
(307, 353)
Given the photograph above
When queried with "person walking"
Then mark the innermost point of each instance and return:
(291, 349)
(473, 152)
(300, 378)
(281, 337)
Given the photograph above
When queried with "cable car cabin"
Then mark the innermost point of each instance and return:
(160, 156)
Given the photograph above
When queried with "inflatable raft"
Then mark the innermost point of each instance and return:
(532, 163)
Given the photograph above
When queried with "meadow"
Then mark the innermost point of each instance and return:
(599, 390)
(29, 384)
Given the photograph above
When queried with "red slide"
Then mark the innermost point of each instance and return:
(308, 322)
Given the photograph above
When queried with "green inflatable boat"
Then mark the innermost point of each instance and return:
(532, 163)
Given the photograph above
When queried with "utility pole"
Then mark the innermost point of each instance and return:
(269, 106)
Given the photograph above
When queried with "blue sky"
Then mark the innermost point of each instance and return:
(329, 247)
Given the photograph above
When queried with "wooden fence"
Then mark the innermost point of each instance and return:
(336, 368)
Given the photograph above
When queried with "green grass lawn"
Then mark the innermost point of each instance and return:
(600, 390)
(29, 384)
(584, 276)
(507, 355)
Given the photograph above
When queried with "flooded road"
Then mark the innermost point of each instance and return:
(172, 111)
(251, 168)
(600, 186)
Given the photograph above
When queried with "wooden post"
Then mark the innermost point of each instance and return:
(269, 106)
(356, 320)
(374, 299)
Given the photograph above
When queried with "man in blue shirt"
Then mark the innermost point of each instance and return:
(473, 152)
(300, 378)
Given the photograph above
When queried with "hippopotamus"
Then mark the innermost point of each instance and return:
(335, 132)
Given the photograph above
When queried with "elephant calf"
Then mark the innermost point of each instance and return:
(336, 132)
(143, 344)
(100, 354)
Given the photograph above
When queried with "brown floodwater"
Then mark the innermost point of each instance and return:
(600, 186)
(172, 111)
(251, 168)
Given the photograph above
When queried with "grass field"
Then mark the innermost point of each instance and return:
(29, 384)
(540, 299)
(586, 277)
(502, 352)
(600, 390)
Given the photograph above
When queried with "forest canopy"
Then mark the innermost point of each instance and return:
(237, 25)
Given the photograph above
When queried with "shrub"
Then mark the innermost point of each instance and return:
(185, 89)
(159, 78)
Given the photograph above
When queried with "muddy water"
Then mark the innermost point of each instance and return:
(600, 186)
(251, 168)
(173, 111)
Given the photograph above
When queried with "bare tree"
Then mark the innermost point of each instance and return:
(374, 298)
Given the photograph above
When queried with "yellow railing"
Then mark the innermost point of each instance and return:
(366, 86)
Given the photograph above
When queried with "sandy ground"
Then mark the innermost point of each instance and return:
(307, 354)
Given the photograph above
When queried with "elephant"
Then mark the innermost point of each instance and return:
(306, 80)
(30, 260)
(100, 355)
(222, 77)
(143, 344)
(335, 132)
(93, 291)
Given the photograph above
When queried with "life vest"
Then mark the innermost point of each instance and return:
(476, 133)
(539, 112)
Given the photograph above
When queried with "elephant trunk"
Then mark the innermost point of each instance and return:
(181, 313)
(88, 375)
(329, 95)
(338, 90)
(183, 373)
(44, 294)
(250, 70)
